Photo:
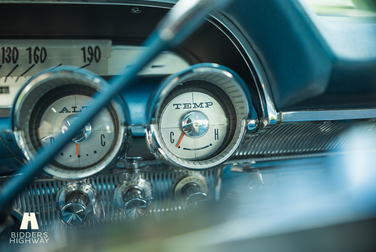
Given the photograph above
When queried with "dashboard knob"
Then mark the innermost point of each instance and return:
(134, 197)
(75, 201)
(190, 191)
(74, 211)
(194, 196)
(135, 205)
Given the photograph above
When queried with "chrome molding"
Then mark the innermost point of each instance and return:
(327, 115)
(146, 3)
(270, 115)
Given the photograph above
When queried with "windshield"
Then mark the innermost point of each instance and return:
(355, 8)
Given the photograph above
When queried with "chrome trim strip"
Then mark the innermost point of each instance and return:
(327, 115)
(270, 115)
(151, 3)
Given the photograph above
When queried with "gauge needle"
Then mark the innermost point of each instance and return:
(77, 150)
(181, 138)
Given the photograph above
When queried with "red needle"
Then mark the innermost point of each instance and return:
(77, 151)
(181, 138)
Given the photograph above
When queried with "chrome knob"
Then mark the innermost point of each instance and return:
(194, 197)
(135, 205)
(74, 212)
(82, 135)
(75, 201)
(195, 124)
(190, 191)
(133, 197)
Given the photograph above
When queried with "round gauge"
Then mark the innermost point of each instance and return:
(56, 99)
(199, 117)
(51, 117)
(195, 122)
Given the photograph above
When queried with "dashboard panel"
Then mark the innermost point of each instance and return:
(199, 129)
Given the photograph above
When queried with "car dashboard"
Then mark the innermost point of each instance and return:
(246, 121)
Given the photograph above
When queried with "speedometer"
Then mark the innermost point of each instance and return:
(199, 117)
(47, 107)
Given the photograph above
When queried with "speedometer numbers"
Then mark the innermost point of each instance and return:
(199, 117)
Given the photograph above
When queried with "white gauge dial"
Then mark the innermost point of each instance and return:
(193, 125)
(90, 145)
(199, 117)
(47, 107)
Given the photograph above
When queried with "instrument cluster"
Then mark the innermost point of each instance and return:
(197, 119)
(159, 146)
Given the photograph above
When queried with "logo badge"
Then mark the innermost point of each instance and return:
(29, 218)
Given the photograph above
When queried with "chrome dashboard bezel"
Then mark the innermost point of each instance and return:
(42, 83)
(196, 72)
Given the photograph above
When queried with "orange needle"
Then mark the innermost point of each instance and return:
(181, 138)
(77, 151)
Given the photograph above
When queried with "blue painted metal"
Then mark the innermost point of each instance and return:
(309, 60)
(137, 98)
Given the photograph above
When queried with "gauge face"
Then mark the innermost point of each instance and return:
(193, 125)
(46, 109)
(199, 117)
(90, 145)
(54, 114)
(197, 121)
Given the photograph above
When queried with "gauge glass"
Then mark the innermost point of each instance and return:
(193, 125)
(46, 109)
(90, 145)
(199, 117)
(54, 114)
(197, 121)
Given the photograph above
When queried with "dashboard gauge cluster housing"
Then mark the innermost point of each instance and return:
(219, 84)
(50, 86)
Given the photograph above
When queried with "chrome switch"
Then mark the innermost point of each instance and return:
(190, 191)
(133, 197)
(75, 201)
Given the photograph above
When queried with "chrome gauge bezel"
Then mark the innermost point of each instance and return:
(219, 76)
(40, 85)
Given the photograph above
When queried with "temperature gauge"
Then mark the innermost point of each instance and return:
(199, 117)
(195, 123)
